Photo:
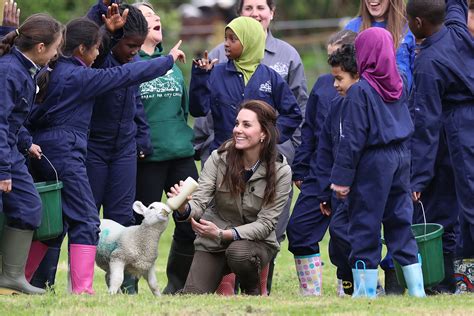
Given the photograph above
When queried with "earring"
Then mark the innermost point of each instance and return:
(261, 140)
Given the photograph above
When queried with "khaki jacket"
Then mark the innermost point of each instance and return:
(213, 202)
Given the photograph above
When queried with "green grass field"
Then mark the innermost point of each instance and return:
(284, 299)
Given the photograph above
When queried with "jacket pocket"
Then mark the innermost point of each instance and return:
(226, 206)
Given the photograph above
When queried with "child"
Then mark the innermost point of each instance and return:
(443, 99)
(390, 15)
(372, 166)
(307, 224)
(221, 88)
(60, 125)
(36, 42)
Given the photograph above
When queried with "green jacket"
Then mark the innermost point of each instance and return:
(213, 202)
(165, 100)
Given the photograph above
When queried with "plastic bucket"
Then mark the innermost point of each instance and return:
(430, 247)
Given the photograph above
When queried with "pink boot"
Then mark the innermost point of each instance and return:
(82, 260)
(227, 285)
(263, 280)
(35, 256)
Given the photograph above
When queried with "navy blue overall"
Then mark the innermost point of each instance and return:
(21, 206)
(444, 98)
(60, 126)
(307, 225)
(112, 150)
(374, 161)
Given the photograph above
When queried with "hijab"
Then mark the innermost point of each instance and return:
(252, 37)
(376, 63)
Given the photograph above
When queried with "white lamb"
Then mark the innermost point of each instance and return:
(132, 249)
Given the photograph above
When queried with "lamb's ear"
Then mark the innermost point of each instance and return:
(139, 208)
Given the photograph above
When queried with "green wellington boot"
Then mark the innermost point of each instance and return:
(14, 249)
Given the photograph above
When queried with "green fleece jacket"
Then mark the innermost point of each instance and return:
(166, 106)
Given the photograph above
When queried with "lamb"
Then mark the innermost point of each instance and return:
(132, 249)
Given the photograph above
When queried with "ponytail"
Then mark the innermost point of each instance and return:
(7, 42)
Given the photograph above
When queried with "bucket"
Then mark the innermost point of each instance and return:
(52, 219)
(428, 237)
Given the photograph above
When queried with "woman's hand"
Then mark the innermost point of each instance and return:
(205, 229)
(174, 191)
(204, 63)
(325, 209)
(114, 21)
(6, 185)
(298, 183)
(341, 190)
(35, 151)
(11, 14)
(177, 53)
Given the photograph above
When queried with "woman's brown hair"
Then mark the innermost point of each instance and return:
(37, 28)
(234, 173)
(396, 19)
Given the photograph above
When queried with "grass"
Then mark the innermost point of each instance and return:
(284, 300)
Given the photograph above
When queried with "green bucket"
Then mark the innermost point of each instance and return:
(52, 219)
(430, 247)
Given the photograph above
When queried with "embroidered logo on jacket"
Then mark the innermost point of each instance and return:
(266, 87)
(281, 68)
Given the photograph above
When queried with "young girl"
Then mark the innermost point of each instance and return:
(165, 100)
(221, 88)
(390, 15)
(307, 225)
(60, 125)
(372, 166)
(246, 184)
(23, 52)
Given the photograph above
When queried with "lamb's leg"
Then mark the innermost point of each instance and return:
(152, 282)
(116, 275)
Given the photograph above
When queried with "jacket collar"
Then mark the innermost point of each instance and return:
(30, 66)
(434, 38)
(271, 45)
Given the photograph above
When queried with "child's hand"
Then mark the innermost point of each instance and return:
(114, 21)
(35, 151)
(177, 53)
(11, 14)
(325, 209)
(341, 190)
(415, 196)
(204, 63)
(298, 183)
(6, 185)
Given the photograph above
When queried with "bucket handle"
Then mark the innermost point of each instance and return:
(424, 214)
(54, 169)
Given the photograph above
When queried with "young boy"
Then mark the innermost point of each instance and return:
(344, 71)
(443, 98)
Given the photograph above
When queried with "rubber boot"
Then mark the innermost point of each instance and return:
(391, 283)
(271, 268)
(309, 272)
(179, 261)
(414, 279)
(37, 252)
(365, 281)
(129, 285)
(14, 249)
(227, 285)
(45, 275)
(448, 285)
(82, 259)
(340, 289)
(264, 280)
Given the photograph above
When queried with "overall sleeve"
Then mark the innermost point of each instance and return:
(24, 140)
(199, 92)
(8, 103)
(297, 84)
(353, 140)
(309, 142)
(324, 161)
(96, 11)
(289, 113)
(425, 102)
(456, 13)
(185, 102)
(143, 137)
(267, 218)
(4, 30)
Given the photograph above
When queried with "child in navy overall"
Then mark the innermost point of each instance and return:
(372, 166)
(60, 125)
(36, 42)
(443, 102)
(307, 225)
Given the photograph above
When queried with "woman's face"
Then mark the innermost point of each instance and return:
(259, 10)
(247, 131)
(154, 24)
(232, 45)
(377, 9)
